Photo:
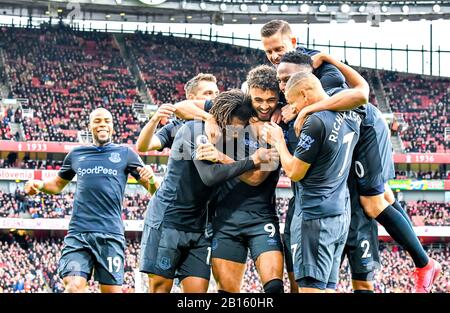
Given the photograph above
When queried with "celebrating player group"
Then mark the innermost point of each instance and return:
(307, 114)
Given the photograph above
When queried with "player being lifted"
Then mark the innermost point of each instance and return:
(95, 240)
(173, 241)
(246, 219)
(373, 167)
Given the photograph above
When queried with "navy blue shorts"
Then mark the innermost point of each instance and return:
(373, 163)
(87, 252)
(317, 247)
(362, 246)
(173, 253)
(243, 231)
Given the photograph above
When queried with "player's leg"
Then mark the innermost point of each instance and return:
(110, 288)
(287, 246)
(228, 275)
(75, 284)
(159, 257)
(362, 247)
(229, 257)
(194, 284)
(159, 284)
(321, 246)
(270, 269)
(305, 257)
(266, 249)
(76, 264)
(195, 264)
(108, 251)
(390, 198)
(339, 245)
(400, 230)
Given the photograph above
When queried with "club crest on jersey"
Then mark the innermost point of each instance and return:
(164, 263)
(201, 140)
(115, 157)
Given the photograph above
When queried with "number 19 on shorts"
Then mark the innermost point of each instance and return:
(114, 264)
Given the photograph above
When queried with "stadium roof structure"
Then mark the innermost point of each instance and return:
(221, 12)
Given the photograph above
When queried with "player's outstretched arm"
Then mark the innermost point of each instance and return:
(50, 186)
(208, 152)
(192, 110)
(147, 139)
(212, 173)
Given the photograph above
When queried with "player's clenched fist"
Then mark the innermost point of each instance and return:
(164, 111)
(264, 156)
(272, 133)
(33, 187)
(207, 152)
(146, 173)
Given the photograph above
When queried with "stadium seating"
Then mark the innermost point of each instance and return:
(65, 74)
(30, 265)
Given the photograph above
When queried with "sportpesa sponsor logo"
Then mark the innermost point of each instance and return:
(96, 171)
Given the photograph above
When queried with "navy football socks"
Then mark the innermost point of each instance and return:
(399, 229)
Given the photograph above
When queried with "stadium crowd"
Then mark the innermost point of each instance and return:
(439, 174)
(65, 74)
(167, 63)
(428, 213)
(30, 265)
(17, 204)
(423, 102)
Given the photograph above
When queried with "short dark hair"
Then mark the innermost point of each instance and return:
(275, 26)
(263, 77)
(296, 57)
(229, 104)
(191, 86)
(297, 79)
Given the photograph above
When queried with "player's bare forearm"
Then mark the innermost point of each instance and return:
(146, 140)
(191, 110)
(150, 185)
(345, 100)
(294, 168)
(53, 186)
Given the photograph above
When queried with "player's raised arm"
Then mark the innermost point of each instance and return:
(345, 100)
(147, 139)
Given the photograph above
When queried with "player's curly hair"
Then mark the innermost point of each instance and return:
(229, 104)
(296, 57)
(263, 77)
